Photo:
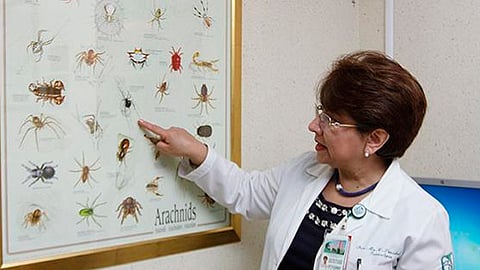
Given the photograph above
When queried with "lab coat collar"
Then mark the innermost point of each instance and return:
(384, 197)
(319, 170)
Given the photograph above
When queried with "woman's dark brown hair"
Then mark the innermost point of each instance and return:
(377, 92)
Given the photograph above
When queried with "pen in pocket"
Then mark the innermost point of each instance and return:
(359, 263)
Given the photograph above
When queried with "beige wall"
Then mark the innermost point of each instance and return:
(439, 42)
(372, 24)
(287, 45)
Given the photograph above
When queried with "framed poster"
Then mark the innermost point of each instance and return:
(81, 186)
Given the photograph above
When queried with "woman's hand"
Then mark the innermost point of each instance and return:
(175, 141)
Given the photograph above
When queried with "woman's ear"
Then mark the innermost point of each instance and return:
(375, 140)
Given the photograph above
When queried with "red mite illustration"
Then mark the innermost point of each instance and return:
(176, 62)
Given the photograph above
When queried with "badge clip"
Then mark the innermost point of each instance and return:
(359, 211)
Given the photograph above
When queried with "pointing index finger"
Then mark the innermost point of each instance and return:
(151, 130)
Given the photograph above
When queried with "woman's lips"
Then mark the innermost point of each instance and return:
(319, 147)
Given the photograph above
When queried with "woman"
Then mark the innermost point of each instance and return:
(349, 200)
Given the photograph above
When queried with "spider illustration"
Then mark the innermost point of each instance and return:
(176, 60)
(126, 103)
(89, 58)
(207, 20)
(41, 173)
(203, 98)
(36, 46)
(35, 218)
(37, 123)
(207, 200)
(153, 186)
(87, 211)
(108, 17)
(158, 15)
(129, 207)
(138, 57)
(124, 147)
(91, 123)
(85, 171)
(162, 89)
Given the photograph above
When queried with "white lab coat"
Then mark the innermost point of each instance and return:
(404, 228)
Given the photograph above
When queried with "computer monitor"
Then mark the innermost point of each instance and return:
(461, 198)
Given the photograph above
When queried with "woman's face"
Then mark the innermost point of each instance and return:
(338, 146)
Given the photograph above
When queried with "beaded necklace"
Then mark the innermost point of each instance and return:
(329, 214)
(342, 192)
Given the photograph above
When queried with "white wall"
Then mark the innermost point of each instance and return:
(287, 46)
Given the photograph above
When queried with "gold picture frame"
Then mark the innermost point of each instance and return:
(44, 91)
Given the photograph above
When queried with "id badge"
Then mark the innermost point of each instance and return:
(334, 252)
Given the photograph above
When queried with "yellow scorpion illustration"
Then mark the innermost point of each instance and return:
(202, 64)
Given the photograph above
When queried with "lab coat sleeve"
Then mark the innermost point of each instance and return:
(250, 194)
(430, 247)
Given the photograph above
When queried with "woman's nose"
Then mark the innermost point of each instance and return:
(314, 127)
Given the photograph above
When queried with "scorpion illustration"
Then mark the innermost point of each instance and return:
(48, 91)
(202, 64)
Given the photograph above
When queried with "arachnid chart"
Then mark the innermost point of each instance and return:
(77, 77)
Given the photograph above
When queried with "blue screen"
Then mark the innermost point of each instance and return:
(462, 206)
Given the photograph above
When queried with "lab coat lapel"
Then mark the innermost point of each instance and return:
(309, 194)
(386, 195)
(383, 199)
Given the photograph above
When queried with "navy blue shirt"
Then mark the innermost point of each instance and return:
(321, 216)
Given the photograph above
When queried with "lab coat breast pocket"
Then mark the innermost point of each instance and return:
(372, 258)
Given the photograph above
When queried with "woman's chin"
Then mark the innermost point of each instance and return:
(322, 156)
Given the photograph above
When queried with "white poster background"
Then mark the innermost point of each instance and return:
(44, 41)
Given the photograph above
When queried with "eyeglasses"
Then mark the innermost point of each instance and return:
(325, 120)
